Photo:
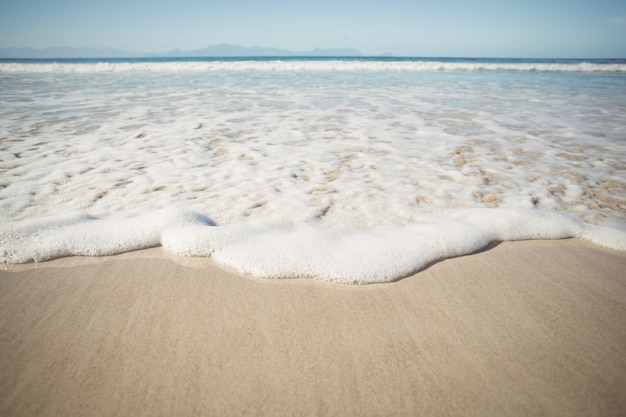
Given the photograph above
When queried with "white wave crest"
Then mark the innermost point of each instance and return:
(305, 65)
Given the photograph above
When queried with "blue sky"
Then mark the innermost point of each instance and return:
(520, 28)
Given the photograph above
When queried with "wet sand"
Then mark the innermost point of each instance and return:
(521, 329)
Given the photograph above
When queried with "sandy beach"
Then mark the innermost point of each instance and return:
(521, 329)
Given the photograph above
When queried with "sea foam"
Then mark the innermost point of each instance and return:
(310, 65)
(362, 176)
(381, 254)
(55, 237)
(378, 255)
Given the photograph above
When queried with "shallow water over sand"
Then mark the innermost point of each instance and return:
(315, 171)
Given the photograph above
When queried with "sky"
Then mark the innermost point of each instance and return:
(468, 28)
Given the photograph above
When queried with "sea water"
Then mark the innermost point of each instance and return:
(351, 170)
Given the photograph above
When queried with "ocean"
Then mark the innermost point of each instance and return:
(354, 170)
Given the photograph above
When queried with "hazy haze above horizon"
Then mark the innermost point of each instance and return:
(533, 28)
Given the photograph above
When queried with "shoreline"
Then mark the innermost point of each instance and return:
(521, 328)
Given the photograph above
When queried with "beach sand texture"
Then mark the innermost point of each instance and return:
(524, 328)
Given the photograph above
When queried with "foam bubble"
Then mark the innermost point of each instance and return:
(382, 254)
(607, 236)
(379, 255)
(56, 237)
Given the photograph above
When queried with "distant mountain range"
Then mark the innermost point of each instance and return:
(224, 50)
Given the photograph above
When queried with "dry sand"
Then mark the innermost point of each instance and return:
(524, 328)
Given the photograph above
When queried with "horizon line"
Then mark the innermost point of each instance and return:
(241, 53)
(329, 57)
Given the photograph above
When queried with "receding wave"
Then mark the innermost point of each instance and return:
(350, 177)
(307, 65)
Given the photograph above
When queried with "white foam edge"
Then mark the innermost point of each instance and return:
(304, 65)
(611, 237)
(379, 255)
(78, 234)
(382, 254)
